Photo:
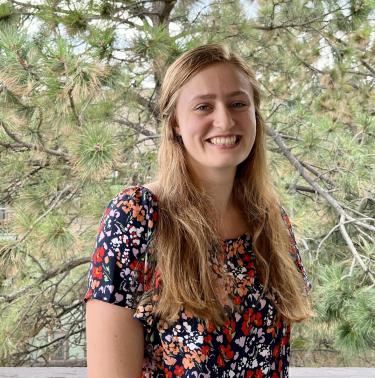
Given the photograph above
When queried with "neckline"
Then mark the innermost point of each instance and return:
(243, 236)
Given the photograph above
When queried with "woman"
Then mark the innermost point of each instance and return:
(201, 264)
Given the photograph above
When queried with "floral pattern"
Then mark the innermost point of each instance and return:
(251, 343)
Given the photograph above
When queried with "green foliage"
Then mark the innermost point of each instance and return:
(78, 95)
(75, 21)
(333, 293)
(106, 9)
(346, 308)
(6, 12)
(58, 238)
(102, 40)
(96, 151)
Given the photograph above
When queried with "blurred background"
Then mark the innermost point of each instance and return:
(79, 81)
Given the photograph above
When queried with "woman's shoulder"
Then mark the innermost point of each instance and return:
(134, 206)
(118, 264)
(139, 194)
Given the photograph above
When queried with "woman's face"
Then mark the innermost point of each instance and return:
(216, 118)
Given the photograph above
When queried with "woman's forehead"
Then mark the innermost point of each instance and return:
(224, 78)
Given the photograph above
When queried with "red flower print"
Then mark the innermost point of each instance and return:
(226, 351)
(246, 257)
(168, 373)
(98, 255)
(237, 300)
(285, 340)
(88, 294)
(280, 366)
(272, 331)
(248, 313)
(97, 272)
(205, 349)
(211, 327)
(208, 339)
(257, 319)
(220, 361)
(179, 371)
(157, 278)
(135, 265)
(276, 351)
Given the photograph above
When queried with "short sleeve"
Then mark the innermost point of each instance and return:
(117, 267)
(294, 251)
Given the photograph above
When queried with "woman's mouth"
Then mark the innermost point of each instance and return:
(224, 141)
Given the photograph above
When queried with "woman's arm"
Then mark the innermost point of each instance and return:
(114, 341)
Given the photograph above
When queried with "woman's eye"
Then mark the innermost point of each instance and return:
(238, 104)
(202, 107)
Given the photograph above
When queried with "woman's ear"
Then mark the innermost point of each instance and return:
(175, 127)
(177, 130)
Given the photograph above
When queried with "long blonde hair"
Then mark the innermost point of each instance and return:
(187, 237)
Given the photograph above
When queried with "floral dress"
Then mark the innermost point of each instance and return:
(251, 343)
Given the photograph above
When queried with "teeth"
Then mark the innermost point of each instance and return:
(220, 140)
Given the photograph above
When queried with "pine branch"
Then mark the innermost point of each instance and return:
(300, 188)
(11, 190)
(43, 346)
(295, 25)
(367, 65)
(31, 146)
(57, 201)
(67, 267)
(329, 37)
(137, 127)
(24, 8)
(344, 216)
(320, 175)
(353, 250)
(16, 147)
(146, 103)
(73, 106)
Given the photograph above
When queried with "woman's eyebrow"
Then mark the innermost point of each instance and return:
(211, 95)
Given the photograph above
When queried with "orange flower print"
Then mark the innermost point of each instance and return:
(127, 206)
(169, 360)
(138, 213)
(187, 362)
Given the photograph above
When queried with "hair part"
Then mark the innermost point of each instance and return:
(187, 237)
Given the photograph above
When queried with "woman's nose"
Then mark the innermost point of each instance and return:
(223, 118)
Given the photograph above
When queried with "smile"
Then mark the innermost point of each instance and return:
(234, 139)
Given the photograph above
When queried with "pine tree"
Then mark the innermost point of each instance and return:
(78, 121)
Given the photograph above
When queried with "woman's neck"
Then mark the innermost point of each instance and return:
(219, 185)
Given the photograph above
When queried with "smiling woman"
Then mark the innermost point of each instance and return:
(201, 264)
(218, 124)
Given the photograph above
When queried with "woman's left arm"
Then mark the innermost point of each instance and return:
(294, 251)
